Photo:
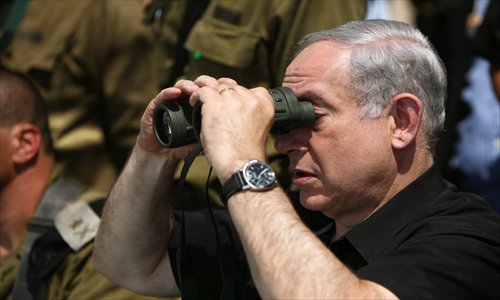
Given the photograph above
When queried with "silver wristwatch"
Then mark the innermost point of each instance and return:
(255, 175)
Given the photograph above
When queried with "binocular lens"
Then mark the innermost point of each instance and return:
(171, 125)
(177, 123)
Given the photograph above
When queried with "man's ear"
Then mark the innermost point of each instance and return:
(406, 111)
(27, 142)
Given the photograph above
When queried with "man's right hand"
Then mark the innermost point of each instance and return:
(147, 139)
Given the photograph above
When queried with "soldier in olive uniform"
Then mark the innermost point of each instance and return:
(93, 62)
(38, 205)
(249, 41)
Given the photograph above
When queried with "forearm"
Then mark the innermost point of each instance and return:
(136, 224)
(285, 257)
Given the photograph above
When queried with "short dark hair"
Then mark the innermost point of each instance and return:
(21, 101)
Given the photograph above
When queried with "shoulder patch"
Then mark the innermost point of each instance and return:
(77, 224)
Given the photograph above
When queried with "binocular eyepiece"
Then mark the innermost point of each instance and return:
(178, 123)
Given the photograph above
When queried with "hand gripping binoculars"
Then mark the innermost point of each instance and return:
(178, 123)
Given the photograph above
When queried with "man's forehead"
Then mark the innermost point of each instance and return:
(323, 62)
(322, 56)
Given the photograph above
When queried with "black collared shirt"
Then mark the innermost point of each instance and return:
(428, 242)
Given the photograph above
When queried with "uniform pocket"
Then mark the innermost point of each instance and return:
(223, 43)
(36, 61)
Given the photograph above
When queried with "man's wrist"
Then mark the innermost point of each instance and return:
(233, 165)
(255, 175)
(144, 157)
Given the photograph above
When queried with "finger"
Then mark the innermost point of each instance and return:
(202, 94)
(186, 86)
(227, 81)
(166, 94)
(212, 92)
(263, 93)
(225, 89)
(205, 80)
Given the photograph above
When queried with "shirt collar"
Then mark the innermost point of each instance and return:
(369, 237)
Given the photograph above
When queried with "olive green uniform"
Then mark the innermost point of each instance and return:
(252, 41)
(165, 17)
(75, 278)
(249, 41)
(93, 62)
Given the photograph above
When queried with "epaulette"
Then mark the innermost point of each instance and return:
(52, 248)
(77, 224)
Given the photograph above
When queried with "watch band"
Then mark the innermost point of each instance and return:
(232, 185)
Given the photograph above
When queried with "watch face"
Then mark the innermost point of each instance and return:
(259, 175)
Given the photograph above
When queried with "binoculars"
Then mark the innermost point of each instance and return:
(178, 123)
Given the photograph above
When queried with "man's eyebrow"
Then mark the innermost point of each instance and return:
(312, 97)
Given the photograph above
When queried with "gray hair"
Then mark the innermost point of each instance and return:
(388, 58)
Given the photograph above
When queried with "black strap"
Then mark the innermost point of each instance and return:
(185, 262)
(232, 185)
(54, 199)
(193, 11)
(224, 253)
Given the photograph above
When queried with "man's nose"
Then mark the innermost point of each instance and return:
(287, 142)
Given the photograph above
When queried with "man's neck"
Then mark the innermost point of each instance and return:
(19, 200)
(419, 164)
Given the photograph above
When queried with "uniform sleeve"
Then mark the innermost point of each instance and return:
(77, 278)
(121, 50)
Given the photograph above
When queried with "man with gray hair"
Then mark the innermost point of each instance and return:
(398, 229)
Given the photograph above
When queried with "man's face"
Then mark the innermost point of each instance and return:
(343, 164)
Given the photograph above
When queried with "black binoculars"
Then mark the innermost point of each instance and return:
(178, 123)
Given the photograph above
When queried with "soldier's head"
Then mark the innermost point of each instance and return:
(25, 132)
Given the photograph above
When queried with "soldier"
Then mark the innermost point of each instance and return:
(33, 196)
(92, 61)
